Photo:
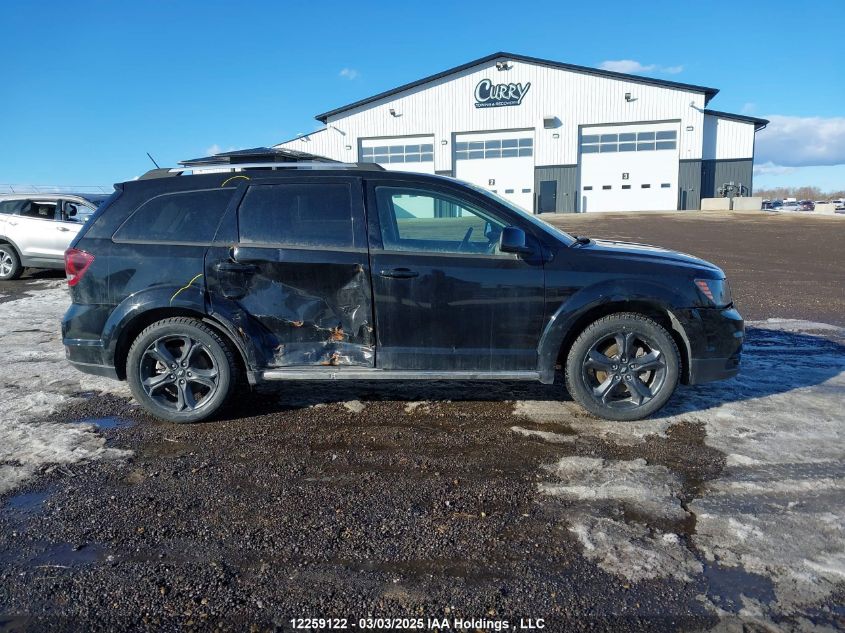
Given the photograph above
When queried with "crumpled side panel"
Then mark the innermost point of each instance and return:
(313, 313)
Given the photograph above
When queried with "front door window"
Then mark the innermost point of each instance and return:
(417, 220)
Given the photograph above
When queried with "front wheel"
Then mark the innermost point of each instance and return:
(623, 367)
(180, 370)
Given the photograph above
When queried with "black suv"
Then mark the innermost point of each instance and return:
(187, 286)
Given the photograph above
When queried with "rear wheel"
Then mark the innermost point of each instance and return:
(623, 367)
(180, 370)
(10, 263)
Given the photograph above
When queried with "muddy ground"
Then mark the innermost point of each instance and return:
(786, 265)
(491, 501)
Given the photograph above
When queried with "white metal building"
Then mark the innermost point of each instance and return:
(549, 136)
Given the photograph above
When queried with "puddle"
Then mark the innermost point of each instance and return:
(727, 585)
(107, 423)
(27, 502)
(56, 555)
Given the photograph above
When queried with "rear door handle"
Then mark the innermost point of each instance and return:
(399, 273)
(235, 267)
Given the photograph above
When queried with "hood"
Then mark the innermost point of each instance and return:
(649, 254)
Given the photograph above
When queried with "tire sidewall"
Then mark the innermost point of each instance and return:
(17, 269)
(601, 329)
(215, 347)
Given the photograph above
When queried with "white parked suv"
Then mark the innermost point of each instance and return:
(36, 229)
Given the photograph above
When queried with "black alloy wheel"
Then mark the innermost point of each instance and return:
(623, 367)
(180, 370)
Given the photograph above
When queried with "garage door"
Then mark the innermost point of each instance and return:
(402, 153)
(502, 162)
(629, 168)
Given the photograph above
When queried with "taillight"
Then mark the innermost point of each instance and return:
(76, 263)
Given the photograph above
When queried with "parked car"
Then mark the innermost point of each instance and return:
(806, 205)
(839, 204)
(790, 206)
(188, 286)
(36, 229)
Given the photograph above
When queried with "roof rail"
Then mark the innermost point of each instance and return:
(271, 166)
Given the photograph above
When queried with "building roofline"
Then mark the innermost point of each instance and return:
(759, 124)
(709, 93)
(300, 136)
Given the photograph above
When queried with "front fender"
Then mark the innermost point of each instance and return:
(593, 298)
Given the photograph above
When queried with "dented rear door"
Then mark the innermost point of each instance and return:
(297, 282)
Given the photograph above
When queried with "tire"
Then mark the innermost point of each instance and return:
(201, 370)
(608, 384)
(10, 263)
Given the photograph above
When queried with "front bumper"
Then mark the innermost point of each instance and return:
(714, 339)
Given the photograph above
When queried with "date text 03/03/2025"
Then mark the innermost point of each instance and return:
(410, 624)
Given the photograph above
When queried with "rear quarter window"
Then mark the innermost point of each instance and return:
(182, 217)
(8, 207)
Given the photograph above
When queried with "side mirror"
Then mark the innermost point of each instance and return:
(512, 240)
(70, 210)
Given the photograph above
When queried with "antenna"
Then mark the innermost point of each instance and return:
(154, 161)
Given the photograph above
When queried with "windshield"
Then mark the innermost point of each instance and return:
(566, 238)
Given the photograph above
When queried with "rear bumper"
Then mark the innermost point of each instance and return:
(106, 371)
(715, 337)
(88, 356)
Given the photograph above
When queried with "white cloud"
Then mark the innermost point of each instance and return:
(349, 73)
(633, 67)
(770, 169)
(792, 141)
(216, 149)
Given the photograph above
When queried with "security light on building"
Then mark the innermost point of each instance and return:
(660, 135)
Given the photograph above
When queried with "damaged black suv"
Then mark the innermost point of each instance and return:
(187, 286)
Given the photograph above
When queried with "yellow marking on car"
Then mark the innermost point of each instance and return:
(225, 182)
(175, 294)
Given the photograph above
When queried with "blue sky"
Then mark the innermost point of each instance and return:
(89, 87)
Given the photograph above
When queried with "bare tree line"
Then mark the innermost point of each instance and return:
(800, 193)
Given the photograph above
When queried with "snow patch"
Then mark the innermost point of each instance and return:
(38, 382)
(778, 508)
(354, 406)
(632, 550)
(422, 406)
(554, 438)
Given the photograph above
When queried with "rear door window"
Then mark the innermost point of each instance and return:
(185, 217)
(298, 215)
(39, 209)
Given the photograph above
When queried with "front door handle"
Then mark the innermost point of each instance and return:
(235, 267)
(399, 273)
(64, 229)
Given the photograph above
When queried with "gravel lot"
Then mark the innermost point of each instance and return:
(476, 501)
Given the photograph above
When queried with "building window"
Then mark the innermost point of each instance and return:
(629, 142)
(665, 185)
(626, 186)
(588, 188)
(385, 154)
(646, 186)
(605, 187)
(494, 148)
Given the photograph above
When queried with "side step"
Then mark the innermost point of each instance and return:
(358, 373)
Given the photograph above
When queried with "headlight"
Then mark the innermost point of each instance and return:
(716, 291)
